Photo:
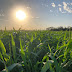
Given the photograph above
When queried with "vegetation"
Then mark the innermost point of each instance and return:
(59, 28)
(35, 51)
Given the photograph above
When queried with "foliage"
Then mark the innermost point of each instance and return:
(35, 51)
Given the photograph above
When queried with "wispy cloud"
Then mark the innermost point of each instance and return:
(53, 4)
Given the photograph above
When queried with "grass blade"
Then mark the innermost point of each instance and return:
(22, 53)
(2, 48)
(13, 47)
(47, 66)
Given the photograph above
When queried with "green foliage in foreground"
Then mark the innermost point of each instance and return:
(35, 51)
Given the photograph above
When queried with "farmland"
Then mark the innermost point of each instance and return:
(35, 51)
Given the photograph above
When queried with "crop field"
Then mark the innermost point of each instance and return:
(35, 51)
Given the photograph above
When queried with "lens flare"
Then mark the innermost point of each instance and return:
(21, 15)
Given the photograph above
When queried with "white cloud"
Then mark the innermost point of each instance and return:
(53, 4)
(66, 8)
(65, 5)
(60, 9)
(59, 5)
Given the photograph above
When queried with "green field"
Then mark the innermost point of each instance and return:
(35, 51)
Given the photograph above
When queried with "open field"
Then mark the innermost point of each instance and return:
(35, 51)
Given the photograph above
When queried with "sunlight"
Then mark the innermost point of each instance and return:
(21, 15)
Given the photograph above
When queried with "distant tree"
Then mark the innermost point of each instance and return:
(50, 28)
(64, 29)
(59, 28)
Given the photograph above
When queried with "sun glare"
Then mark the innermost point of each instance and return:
(20, 15)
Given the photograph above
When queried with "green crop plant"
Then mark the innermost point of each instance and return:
(35, 51)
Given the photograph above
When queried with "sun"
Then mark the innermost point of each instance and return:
(21, 15)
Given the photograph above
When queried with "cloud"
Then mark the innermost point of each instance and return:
(66, 8)
(53, 4)
(60, 9)
(59, 5)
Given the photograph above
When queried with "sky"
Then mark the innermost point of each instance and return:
(41, 14)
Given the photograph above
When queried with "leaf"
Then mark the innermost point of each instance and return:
(57, 46)
(31, 38)
(3, 62)
(70, 44)
(49, 48)
(22, 53)
(65, 53)
(45, 57)
(60, 56)
(2, 48)
(58, 69)
(1, 57)
(13, 47)
(60, 48)
(46, 65)
(71, 54)
(11, 67)
(67, 63)
(64, 38)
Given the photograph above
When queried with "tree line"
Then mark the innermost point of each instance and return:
(59, 28)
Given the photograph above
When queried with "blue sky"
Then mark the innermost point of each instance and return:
(41, 13)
